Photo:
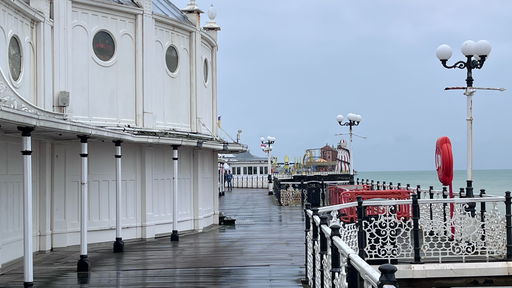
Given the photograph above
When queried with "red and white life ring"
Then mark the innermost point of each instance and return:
(444, 160)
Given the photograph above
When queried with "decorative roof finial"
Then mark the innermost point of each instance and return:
(191, 5)
(212, 25)
(212, 13)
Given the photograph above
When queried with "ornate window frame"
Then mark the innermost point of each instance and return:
(16, 82)
(113, 59)
(176, 71)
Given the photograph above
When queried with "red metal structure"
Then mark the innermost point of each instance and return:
(340, 194)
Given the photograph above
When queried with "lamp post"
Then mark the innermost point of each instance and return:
(267, 148)
(353, 120)
(476, 53)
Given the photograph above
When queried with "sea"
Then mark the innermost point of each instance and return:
(495, 182)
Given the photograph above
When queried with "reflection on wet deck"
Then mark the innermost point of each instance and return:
(264, 249)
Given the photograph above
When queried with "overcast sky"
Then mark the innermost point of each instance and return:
(288, 67)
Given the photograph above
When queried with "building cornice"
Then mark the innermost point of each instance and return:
(110, 7)
(173, 23)
(25, 10)
(55, 128)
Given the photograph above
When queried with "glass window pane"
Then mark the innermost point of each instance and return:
(205, 70)
(103, 45)
(171, 59)
(15, 58)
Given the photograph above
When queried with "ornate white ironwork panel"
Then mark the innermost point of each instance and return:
(290, 197)
(317, 263)
(495, 232)
(310, 257)
(340, 278)
(349, 235)
(388, 236)
(326, 264)
(463, 234)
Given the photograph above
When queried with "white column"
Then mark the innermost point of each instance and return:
(193, 81)
(45, 195)
(118, 244)
(83, 264)
(214, 92)
(139, 72)
(148, 228)
(270, 184)
(469, 119)
(174, 235)
(222, 177)
(28, 262)
(351, 153)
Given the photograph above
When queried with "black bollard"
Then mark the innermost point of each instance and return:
(335, 254)
(387, 276)
(508, 219)
(482, 213)
(416, 228)
(361, 243)
(462, 194)
(324, 221)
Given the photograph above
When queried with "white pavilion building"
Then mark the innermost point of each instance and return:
(84, 82)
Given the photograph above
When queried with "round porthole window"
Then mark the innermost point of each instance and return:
(205, 70)
(171, 59)
(15, 58)
(103, 45)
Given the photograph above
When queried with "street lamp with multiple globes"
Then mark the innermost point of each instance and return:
(476, 53)
(353, 120)
(267, 148)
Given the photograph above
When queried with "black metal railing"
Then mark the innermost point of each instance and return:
(330, 262)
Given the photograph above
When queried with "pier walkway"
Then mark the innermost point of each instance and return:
(264, 249)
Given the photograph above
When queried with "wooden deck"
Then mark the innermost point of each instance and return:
(264, 249)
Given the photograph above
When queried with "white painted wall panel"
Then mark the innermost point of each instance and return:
(102, 188)
(206, 176)
(172, 101)
(103, 92)
(205, 91)
(185, 196)
(13, 23)
(11, 199)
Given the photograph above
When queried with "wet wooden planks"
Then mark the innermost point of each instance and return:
(264, 249)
